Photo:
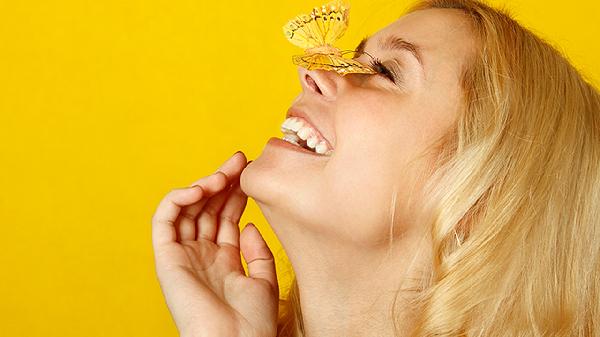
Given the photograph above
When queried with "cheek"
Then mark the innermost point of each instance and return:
(360, 198)
(358, 177)
(383, 129)
(377, 153)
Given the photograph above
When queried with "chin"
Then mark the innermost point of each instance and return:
(282, 175)
(259, 181)
(286, 184)
(266, 180)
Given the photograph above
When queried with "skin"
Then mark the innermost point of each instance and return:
(332, 214)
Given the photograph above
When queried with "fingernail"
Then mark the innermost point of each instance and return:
(225, 174)
(233, 155)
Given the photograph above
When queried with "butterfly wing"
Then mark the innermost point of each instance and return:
(304, 32)
(334, 20)
(323, 26)
(331, 62)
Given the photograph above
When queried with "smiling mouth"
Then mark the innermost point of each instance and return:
(298, 131)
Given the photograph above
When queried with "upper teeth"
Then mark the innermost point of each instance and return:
(296, 128)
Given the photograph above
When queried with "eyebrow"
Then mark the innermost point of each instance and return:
(394, 43)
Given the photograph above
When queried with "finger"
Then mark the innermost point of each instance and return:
(207, 221)
(258, 256)
(163, 220)
(229, 219)
(186, 224)
(231, 169)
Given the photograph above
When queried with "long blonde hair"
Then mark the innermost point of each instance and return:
(514, 202)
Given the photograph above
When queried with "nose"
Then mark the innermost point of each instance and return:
(320, 82)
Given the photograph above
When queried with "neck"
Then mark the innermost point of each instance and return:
(349, 290)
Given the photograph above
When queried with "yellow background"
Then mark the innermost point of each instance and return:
(106, 105)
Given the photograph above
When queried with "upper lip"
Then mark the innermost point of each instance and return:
(295, 112)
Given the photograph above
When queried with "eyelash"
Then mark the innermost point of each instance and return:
(381, 69)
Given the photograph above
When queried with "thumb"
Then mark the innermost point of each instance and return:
(258, 256)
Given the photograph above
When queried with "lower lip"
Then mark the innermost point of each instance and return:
(285, 144)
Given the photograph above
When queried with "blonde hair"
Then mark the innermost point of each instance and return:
(514, 202)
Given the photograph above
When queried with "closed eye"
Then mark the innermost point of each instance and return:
(389, 72)
(381, 69)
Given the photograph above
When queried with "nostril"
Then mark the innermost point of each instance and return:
(312, 84)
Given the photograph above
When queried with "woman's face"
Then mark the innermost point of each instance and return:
(377, 129)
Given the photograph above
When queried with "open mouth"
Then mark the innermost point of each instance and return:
(298, 131)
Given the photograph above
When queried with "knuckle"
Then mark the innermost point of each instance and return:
(156, 217)
(165, 222)
(188, 216)
(211, 211)
(228, 218)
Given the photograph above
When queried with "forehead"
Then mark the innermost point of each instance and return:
(443, 36)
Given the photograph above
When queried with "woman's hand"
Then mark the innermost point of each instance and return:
(196, 242)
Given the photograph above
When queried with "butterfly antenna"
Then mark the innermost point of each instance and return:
(356, 52)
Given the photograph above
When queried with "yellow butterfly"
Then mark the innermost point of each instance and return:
(316, 33)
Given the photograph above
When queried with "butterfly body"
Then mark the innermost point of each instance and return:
(316, 33)
(326, 49)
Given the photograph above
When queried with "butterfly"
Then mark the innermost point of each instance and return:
(316, 33)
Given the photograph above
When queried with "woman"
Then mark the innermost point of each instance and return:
(461, 197)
